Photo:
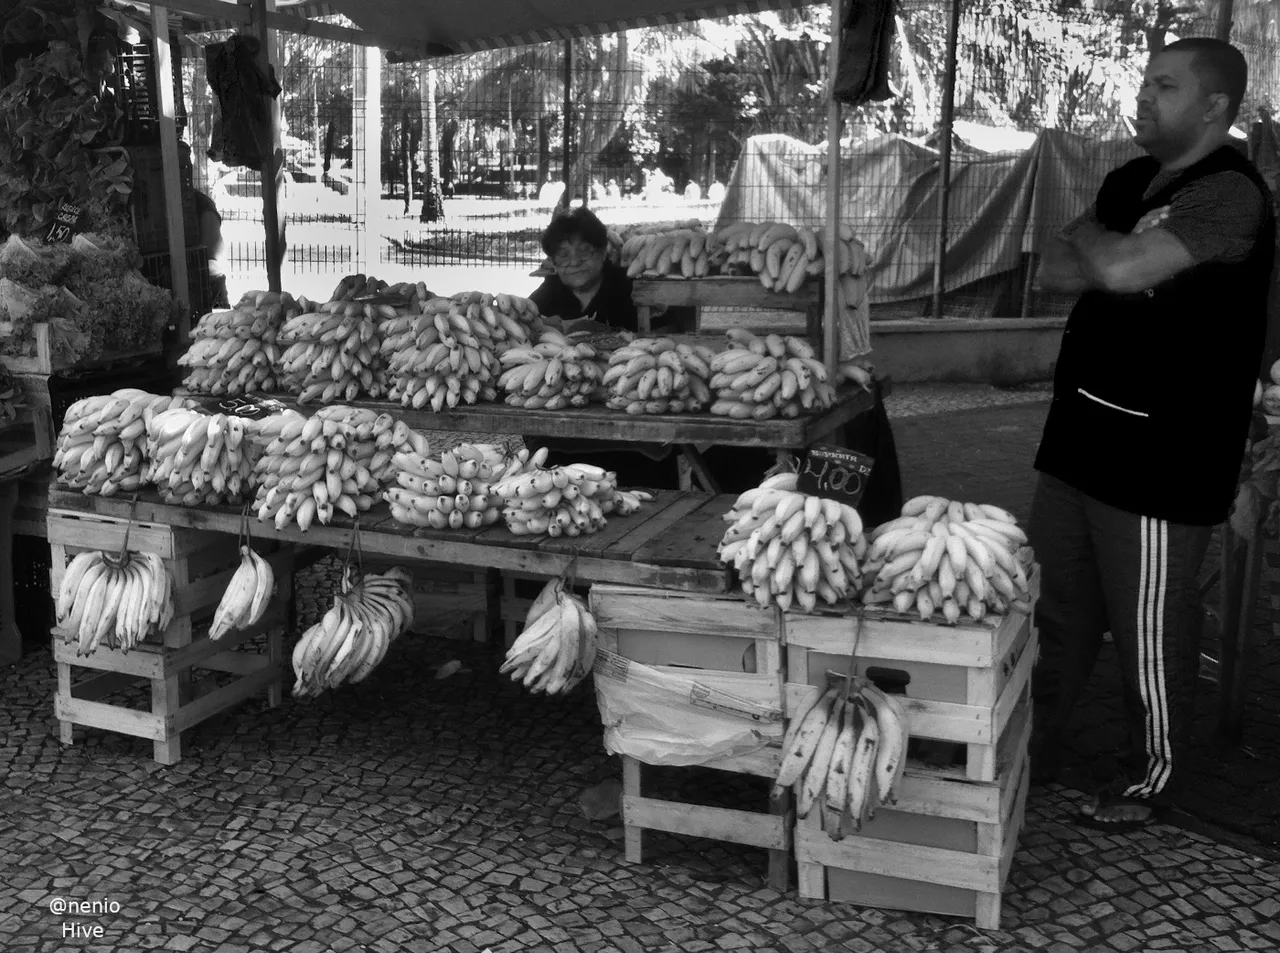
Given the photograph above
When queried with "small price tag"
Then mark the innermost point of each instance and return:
(835, 473)
(250, 407)
(65, 224)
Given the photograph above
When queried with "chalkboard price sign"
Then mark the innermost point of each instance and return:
(835, 473)
(65, 224)
(253, 408)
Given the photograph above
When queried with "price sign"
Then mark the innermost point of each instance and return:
(835, 473)
(65, 224)
(250, 407)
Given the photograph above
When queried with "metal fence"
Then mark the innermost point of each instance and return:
(651, 125)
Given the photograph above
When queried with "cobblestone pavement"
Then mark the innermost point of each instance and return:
(417, 814)
(424, 815)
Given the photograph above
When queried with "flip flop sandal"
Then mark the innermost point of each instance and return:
(1107, 800)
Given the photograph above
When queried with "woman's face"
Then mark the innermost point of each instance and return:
(578, 264)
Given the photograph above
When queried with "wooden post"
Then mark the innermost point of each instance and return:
(830, 344)
(174, 224)
(1223, 31)
(944, 160)
(366, 153)
(271, 170)
(568, 121)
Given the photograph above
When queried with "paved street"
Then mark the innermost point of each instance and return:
(417, 814)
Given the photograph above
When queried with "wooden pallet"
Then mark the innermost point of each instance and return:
(734, 647)
(201, 565)
(945, 847)
(961, 684)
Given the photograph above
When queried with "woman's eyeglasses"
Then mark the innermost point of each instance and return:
(575, 256)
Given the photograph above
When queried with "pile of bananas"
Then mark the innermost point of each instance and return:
(454, 492)
(332, 353)
(198, 459)
(353, 636)
(943, 556)
(791, 548)
(683, 252)
(845, 755)
(102, 446)
(248, 593)
(234, 352)
(309, 471)
(659, 376)
(780, 255)
(263, 431)
(761, 378)
(117, 598)
(571, 501)
(446, 355)
(551, 375)
(558, 645)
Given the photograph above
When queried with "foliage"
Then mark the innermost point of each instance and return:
(51, 117)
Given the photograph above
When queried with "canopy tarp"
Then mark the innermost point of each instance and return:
(467, 26)
(1001, 205)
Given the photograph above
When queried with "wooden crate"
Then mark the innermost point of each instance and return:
(23, 443)
(734, 647)
(961, 684)
(945, 847)
(442, 590)
(725, 291)
(201, 564)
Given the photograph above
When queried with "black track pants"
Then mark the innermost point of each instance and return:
(1104, 569)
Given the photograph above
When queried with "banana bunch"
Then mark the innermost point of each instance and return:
(116, 598)
(102, 447)
(552, 374)
(780, 255)
(659, 376)
(234, 352)
(448, 354)
(791, 548)
(198, 459)
(950, 558)
(845, 755)
(332, 353)
(309, 471)
(353, 636)
(364, 286)
(454, 492)
(248, 593)
(262, 431)
(678, 252)
(761, 378)
(558, 645)
(572, 500)
(519, 322)
(373, 440)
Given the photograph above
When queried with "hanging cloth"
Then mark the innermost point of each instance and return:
(866, 44)
(242, 131)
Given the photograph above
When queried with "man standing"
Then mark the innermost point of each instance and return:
(1151, 406)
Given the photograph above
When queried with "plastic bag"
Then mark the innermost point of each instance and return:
(664, 718)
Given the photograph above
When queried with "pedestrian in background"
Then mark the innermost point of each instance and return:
(1173, 264)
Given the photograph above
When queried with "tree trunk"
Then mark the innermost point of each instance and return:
(432, 197)
(544, 151)
(406, 159)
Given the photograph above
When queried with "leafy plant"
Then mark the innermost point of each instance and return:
(51, 116)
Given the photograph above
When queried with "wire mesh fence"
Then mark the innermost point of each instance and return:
(716, 121)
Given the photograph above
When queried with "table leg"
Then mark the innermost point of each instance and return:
(10, 637)
(1236, 641)
(699, 468)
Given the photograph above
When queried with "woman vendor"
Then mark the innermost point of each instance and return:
(588, 292)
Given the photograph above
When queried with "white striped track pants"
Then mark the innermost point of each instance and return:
(1104, 569)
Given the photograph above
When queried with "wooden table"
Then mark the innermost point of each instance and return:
(669, 544)
(600, 423)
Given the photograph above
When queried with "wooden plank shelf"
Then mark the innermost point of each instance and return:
(600, 423)
(689, 565)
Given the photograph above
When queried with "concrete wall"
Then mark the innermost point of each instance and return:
(985, 350)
